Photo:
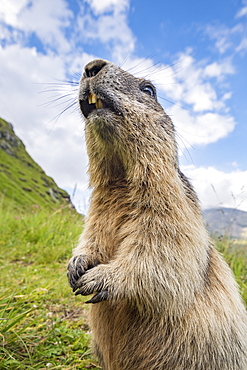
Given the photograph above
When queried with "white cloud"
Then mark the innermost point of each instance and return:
(242, 12)
(219, 70)
(200, 129)
(230, 39)
(19, 82)
(10, 10)
(197, 88)
(103, 6)
(242, 46)
(62, 151)
(109, 28)
(222, 36)
(227, 96)
(28, 17)
(217, 188)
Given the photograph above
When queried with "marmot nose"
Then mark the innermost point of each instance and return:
(94, 67)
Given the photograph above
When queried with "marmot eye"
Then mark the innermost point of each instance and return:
(148, 89)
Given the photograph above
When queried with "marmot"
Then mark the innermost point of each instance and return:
(164, 299)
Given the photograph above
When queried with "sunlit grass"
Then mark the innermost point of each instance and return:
(42, 324)
(235, 254)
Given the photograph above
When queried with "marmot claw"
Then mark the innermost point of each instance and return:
(99, 297)
(95, 282)
(77, 267)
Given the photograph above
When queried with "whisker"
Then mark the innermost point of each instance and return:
(60, 83)
(172, 102)
(124, 60)
(55, 119)
(52, 103)
(185, 149)
(62, 92)
(58, 99)
(192, 134)
(154, 69)
(54, 90)
(131, 69)
(157, 68)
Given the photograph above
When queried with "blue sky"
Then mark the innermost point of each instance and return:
(194, 51)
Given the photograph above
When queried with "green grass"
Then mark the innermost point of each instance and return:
(235, 254)
(42, 324)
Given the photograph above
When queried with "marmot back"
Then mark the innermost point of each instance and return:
(164, 299)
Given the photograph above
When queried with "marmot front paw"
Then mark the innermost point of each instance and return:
(94, 281)
(77, 267)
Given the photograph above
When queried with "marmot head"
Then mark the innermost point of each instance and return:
(125, 124)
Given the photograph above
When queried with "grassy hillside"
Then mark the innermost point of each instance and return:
(22, 180)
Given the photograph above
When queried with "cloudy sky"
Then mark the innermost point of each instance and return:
(194, 51)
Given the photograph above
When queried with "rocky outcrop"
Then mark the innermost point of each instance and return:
(9, 142)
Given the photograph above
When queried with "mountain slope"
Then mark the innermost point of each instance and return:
(226, 221)
(22, 180)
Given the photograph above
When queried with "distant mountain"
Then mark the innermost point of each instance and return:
(226, 221)
(22, 180)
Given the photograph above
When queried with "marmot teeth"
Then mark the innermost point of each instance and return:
(92, 99)
(99, 104)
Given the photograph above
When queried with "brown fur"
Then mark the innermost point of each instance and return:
(164, 297)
